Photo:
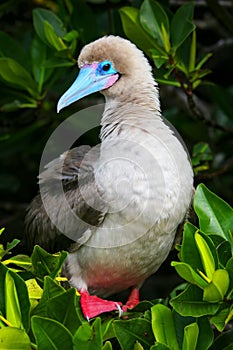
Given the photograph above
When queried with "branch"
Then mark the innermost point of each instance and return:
(225, 167)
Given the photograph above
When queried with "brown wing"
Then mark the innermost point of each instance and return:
(68, 205)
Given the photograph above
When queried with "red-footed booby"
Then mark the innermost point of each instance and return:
(130, 193)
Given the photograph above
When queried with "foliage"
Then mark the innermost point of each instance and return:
(38, 51)
(38, 312)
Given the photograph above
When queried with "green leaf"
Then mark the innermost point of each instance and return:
(229, 268)
(190, 303)
(135, 32)
(182, 24)
(206, 334)
(166, 41)
(206, 255)
(51, 289)
(22, 261)
(219, 319)
(153, 18)
(107, 346)
(14, 339)
(47, 264)
(12, 49)
(51, 334)
(187, 273)
(189, 252)
(215, 215)
(38, 53)
(190, 336)
(223, 341)
(89, 337)
(40, 16)
(193, 49)
(13, 73)
(163, 326)
(217, 288)
(17, 304)
(62, 308)
(128, 331)
(54, 40)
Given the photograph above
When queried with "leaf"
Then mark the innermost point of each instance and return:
(13, 73)
(229, 268)
(38, 53)
(14, 339)
(190, 303)
(189, 252)
(47, 264)
(217, 288)
(54, 40)
(107, 346)
(22, 261)
(153, 18)
(12, 49)
(51, 289)
(51, 334)
(89, 337)
(219, 319)
(163, 326)
(206, 334)
(40, 16)
(62, 308)
(223, 341)
(190, 336)
(128, 331)
(206, 255)
(134, 31)
(193, 49)
(17, 303)
(166, 41)
(215, 215)
(182, 24)
(187, 273)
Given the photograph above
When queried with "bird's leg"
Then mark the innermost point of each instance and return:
(132, 301)
(92, 305)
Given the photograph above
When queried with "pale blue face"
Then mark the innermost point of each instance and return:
(92, 78)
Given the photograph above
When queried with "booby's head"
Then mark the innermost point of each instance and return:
(112, 65)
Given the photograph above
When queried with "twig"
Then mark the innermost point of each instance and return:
(224, 168)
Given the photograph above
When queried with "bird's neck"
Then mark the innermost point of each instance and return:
(137, 108)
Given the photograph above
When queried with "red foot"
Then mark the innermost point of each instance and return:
(133, 300)
(92, 305)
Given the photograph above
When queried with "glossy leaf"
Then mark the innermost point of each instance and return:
(229, 268)
(163, 326)
(14, 339)
(107, 346)
(62, 309)
(38, 53)
(193, 49)
(13, 73)
(45, 263)
(51, 334)
(187, 273)
(189, 253)
(219, 319)
(218, 287)
(215, 215)
(134, 30)
(190, 303)
(182, 24)
(17, 303)
(54, 40)
(206, 255)
(205, 335)
(152, 18)
(11, 48)
(89, 337)
(190, 336)
(128, 331)
(224, 341)
(40, 16)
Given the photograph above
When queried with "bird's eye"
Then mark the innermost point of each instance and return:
(106, 67)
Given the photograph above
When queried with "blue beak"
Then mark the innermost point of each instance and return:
(87, 82)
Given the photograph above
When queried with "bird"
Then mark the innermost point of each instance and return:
(121, 201)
